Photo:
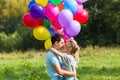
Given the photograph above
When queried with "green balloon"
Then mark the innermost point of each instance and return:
(46, 23)
(56, 2)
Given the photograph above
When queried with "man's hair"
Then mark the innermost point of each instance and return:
(56, 37)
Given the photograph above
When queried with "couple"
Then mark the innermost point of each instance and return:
(61, 66)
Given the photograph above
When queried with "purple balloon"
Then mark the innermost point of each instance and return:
(63, 0)
(82, 1)
(64, 17)
(37, 11)
(73, 28)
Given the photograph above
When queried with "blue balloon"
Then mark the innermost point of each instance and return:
(49, 1)
(31, 3)
(51, 30)
(71, 5)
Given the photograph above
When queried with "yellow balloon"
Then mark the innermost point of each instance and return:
(42, 2)
(48, 43)
(41, 33)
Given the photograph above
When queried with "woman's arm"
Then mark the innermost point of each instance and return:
(55, 51)
(64, 72)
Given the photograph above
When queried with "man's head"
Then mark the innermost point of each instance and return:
(57, 41)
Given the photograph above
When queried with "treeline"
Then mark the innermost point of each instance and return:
(101, 29)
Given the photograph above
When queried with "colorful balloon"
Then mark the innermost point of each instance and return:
(60, 6)
(51, 11)
(82, 1)
(46, 23)
(56, 24)
(63, 0)
(37, 11)
(47, 44)
(41, 33)
(79, 10)
(42, 2)
(31, 3)
(41, 23)
(64, 17)
(56, 2)
(66, 37)
(51, 30)
(73, 28)
(49, 1)
(71, 5)
(81, 17)
(29, 21)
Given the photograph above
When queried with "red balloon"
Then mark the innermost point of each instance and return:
(41, 22)
(29, 21)
(81, 17)
(56, 24)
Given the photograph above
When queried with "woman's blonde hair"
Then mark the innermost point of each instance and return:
(73, 49)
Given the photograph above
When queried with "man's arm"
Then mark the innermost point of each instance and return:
(63, 72)
(55, 51)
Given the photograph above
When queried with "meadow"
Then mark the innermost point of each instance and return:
(95, 64)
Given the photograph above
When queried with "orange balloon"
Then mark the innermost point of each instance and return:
(60, 6)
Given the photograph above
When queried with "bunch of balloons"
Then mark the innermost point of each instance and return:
(48, 17)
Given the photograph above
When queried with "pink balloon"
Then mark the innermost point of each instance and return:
(66, 37)
(80, 9)
(51, 11)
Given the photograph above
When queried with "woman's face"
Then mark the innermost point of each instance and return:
(64, 48)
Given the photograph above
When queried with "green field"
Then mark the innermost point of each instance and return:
(95, 64)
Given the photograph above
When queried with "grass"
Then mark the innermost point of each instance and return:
(95, 64)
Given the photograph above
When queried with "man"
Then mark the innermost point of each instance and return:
(54, 62)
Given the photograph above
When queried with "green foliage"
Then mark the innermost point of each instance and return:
(9, 42)
(103, 24)
(118, 34)
(11, 13)
(23, 71)
(18, 41)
